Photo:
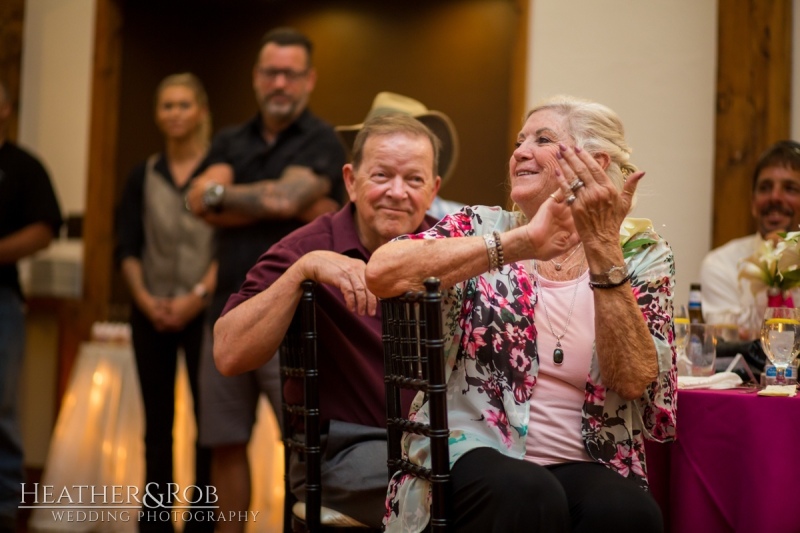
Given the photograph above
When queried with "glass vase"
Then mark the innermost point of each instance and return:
(776, 297)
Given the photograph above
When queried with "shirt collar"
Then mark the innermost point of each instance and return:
(302, 123)
(345, 233)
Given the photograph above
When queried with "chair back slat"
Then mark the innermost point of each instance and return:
(298, 357)
(414, 359)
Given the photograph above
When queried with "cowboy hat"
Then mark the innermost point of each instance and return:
(439, 123)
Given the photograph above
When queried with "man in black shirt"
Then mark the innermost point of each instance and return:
(29, 219)
(266, 178)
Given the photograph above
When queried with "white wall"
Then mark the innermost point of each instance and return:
(54, 124)
(654, 63)
(58, 39)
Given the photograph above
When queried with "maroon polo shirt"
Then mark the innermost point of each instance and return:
(350, 349)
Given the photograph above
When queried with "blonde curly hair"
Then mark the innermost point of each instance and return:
(595, 128)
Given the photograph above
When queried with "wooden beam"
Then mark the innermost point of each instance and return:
(519, 70)
(753, 103)
(98, 238)
(12, 14)
(100, 199)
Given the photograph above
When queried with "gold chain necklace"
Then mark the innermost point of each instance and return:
(558, 352)
(565, 261)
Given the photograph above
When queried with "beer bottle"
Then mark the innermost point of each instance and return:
(695, 304)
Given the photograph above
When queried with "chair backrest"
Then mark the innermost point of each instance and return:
(413, 346)
(298, 358)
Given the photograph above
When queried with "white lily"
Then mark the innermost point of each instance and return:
(774, 264)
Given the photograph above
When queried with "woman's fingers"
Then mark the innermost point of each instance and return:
(578, 164)
(590, 193)
(629, 188)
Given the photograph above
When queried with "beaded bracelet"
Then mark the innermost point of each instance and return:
(499, 246)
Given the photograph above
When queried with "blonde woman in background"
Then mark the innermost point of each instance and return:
(165, 254)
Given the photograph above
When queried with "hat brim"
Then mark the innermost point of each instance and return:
(441, 126)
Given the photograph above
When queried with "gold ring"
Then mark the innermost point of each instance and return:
(555, 199)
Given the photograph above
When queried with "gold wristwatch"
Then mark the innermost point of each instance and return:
(613, 277)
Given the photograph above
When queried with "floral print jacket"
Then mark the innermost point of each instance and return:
(492, 364)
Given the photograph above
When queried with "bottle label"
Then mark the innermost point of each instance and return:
(770, 374)
(771, 371)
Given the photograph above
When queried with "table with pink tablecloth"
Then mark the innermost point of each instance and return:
(734, 466)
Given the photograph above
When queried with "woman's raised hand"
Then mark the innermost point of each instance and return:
(551, 231)
(598, 209)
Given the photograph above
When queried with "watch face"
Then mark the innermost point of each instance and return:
(617, 276)
(212, 196)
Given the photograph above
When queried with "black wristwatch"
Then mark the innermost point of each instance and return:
(212, 197)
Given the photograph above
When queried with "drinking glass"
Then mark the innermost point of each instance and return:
(780, 337)
(701, 349)
(681, 322)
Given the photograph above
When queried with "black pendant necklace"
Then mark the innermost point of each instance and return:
(558, 352)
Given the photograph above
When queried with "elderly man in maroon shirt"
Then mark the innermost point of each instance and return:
(391, 183)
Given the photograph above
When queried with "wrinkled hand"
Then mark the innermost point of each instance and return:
(599, 208)
(343, 272)
(551, 231)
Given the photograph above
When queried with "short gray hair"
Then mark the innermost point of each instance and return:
(389, 124)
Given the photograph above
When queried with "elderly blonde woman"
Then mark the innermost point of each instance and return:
(548, 417)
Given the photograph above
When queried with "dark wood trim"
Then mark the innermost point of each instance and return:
(98, 238)
(518, 82)
(754, 57)
(12, 15)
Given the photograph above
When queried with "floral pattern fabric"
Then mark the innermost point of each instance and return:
(492, 365)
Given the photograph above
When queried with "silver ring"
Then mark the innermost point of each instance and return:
(576, 184)
(571, 198)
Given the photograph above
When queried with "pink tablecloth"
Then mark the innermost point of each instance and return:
(734, 466)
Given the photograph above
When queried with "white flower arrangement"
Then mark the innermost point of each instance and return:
(775, 266)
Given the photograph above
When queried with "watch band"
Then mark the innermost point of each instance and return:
(610, 278)
(598, 285)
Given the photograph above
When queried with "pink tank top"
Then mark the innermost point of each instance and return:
(554, 430)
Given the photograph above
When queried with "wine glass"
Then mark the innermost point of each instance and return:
(780, 337)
